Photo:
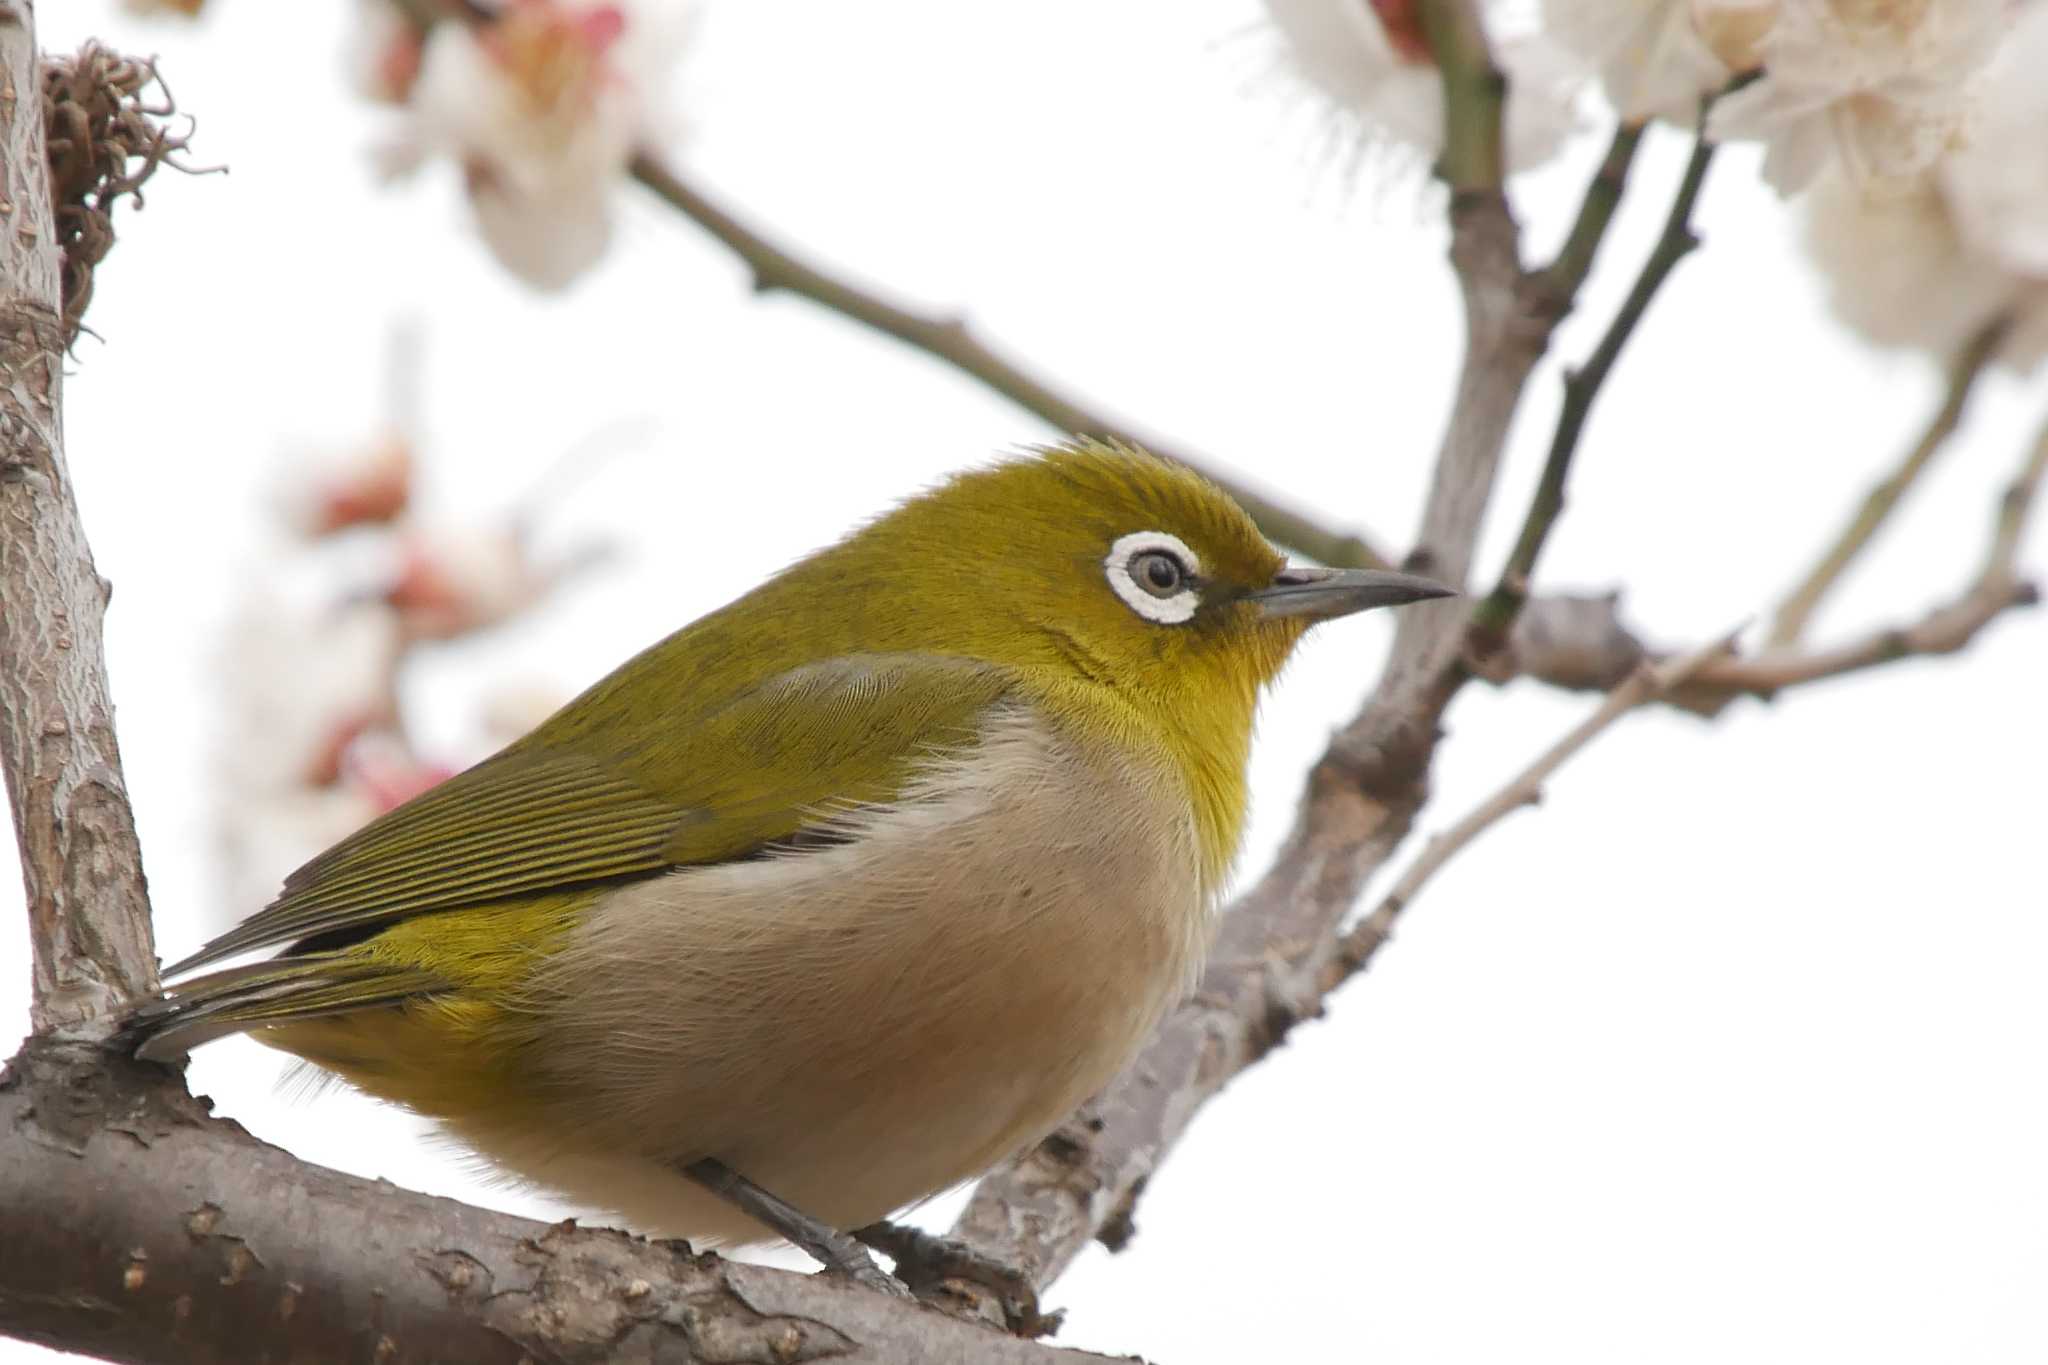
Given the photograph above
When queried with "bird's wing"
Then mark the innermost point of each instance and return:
(584, 801)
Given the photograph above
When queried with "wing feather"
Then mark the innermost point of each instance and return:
(590, 797)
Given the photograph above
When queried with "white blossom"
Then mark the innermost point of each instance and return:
(1882, 86)
(301, 684)
(1734, 30)
(458, 580)
(151, 9)
(1996, 183)
(543, 108)
(514, 710)
(383, 52)
(1380, 94)
(1927, 266)
(1895, 269)
(1649, 55)
(370, 485)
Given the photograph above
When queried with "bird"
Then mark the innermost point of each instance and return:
(832, 899)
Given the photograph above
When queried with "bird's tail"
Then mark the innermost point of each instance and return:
(285, 990)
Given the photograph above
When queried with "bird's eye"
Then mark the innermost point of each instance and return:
(1156, 575)
(1158, 572)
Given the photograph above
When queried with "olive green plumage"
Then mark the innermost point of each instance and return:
(1009, 665)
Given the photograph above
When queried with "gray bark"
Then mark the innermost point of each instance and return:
(88, 909)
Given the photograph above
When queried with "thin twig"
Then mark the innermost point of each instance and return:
(1562, 277)
(1575, 643)
(1790, 623)
(1647, 683)
(1492, 618)
(2015, 508)
(1475, 93)
(951, 340)
(1996, 589)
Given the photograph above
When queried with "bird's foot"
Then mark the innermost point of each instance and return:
(949, 1272)
(827, 1245)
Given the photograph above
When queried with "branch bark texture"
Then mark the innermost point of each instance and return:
(88, 908)
(136, 1226)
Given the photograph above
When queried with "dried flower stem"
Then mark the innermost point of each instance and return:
(99, 121)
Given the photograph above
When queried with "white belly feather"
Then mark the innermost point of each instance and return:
(859, 1025)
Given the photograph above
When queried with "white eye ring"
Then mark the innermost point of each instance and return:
(1167, 611)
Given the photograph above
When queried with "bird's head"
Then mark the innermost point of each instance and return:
(1103, 565)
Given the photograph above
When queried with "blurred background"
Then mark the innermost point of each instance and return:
(1731, 1050)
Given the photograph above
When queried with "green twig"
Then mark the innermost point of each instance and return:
(1794, 613)
(1560, 280)
(1582, 385)
(1475, 93)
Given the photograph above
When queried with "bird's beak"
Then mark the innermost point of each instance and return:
(1319, 594)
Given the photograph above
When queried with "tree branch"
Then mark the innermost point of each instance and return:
(1040, 1210)
(141, 1228)
(1715, 669)
(81, 863)
(1996, 589)
(1277, 956)
(1580, 643)
(1790, 622)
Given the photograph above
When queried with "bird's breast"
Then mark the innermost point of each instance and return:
(861, 1023)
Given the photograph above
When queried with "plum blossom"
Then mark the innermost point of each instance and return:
(302, 685)
(543, 109)
(385, 49)
(187, 9)
(1996, 184)
(1368, 66)
(371, 486)
(456, 581)
(1896, 270)
(1927, 267)
(1650, 55)
(1881, 86)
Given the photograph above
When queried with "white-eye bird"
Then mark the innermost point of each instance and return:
(852, 887)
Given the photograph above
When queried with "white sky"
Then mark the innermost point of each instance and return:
(1732, 1051)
